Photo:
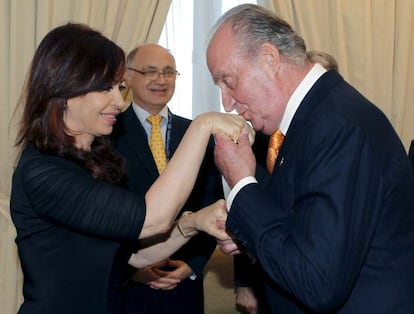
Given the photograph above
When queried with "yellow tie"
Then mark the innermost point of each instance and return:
(276, 140)
(157, 143)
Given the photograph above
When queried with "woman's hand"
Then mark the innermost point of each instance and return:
(230, 124)
(210, 219)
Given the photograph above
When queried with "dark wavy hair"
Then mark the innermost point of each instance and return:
(72, 60)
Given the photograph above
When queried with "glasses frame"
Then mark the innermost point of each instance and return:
(146, 74)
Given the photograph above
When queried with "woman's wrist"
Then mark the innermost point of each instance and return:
(205, 123)
(184, 225)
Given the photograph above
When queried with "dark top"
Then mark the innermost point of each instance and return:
(411, 154)
(68, 225)
(334, 230)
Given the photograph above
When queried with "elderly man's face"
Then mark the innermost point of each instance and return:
(247, 86)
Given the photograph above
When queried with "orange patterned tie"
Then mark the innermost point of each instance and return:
(157, 143)
(276, 140)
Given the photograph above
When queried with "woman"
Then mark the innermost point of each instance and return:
(65, 203)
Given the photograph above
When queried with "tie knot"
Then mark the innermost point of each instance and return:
(154, 119)
(276, 140)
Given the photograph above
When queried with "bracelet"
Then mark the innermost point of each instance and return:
(185, 235)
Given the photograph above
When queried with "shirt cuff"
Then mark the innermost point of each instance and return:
(242, 183)
(226, 187)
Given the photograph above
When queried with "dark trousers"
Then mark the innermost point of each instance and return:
(186, 298)
(127, 297)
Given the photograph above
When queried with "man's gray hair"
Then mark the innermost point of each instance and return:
(252, 25)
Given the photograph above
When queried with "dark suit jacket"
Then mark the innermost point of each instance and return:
(131, 142)
(333, 228)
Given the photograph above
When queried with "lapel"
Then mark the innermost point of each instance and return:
(178, 127)
(138, 142)
(309, 104)
(135, 138)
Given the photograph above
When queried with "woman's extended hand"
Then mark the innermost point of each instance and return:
(230, 124)
(211, 219)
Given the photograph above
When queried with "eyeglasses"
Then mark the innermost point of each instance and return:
(153, 75)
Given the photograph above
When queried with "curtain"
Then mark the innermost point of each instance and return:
(206, 96)
(373, 42)
(10, 275)
(186, 35)
(23, 24)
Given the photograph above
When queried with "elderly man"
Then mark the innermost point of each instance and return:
(331, 225)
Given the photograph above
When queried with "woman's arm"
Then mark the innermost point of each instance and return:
(169, 192)
(210, 219)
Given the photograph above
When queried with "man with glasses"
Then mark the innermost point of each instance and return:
(174, 285)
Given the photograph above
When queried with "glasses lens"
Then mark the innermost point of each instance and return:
(152, 75)
(155, 75)
(169, 74)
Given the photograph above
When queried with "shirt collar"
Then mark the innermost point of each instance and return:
(299, 94)
(143, 114)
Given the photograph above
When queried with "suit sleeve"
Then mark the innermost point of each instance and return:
(245, 271)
